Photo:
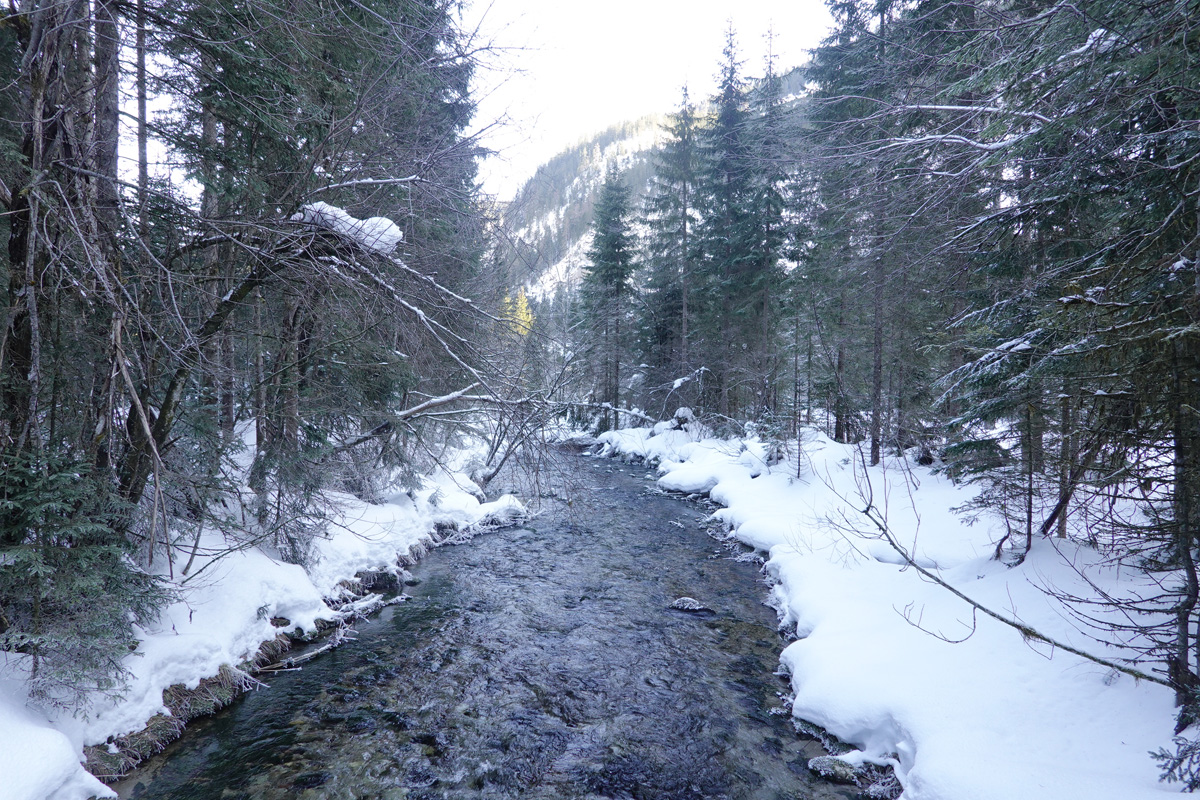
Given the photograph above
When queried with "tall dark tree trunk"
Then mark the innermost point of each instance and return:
(1186, 513)
(840, 406)
(142, 124)
(685, 285)
(1066, 457)
(108, 109)
(877, 365)
(877, 290)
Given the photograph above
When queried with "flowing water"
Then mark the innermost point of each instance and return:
(540, 662)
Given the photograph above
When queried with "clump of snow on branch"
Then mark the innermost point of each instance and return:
(379, 234)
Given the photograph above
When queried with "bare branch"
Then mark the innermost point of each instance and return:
(367, 182)
(1026, 631)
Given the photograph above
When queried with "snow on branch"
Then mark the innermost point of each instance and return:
(979, 110)
(417, 410)
(951, 138)
(434, 402)
(378, 234)
(368, 182)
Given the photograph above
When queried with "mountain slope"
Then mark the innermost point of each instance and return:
(549, 220)
(551, 215)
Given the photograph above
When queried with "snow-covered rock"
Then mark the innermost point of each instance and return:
(690, 604)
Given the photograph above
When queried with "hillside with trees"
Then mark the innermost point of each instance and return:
(551, 214)
(976, 236)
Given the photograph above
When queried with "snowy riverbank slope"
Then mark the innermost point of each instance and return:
(221, 618)
(877, 661)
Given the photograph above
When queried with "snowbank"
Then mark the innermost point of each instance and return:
(227, 609)
(36, 760)
(962, 707)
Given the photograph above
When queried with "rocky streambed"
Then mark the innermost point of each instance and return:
(544, 661)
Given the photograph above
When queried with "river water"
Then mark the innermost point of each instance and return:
(536, 662)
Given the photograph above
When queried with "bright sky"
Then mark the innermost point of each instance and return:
(566, 69)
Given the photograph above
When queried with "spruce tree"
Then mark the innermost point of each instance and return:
(771, 162)
(606, 290)
(670, 248)
(729, 267)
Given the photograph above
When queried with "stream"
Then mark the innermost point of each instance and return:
(543, 662)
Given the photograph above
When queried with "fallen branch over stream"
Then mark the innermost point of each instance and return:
(361, 608)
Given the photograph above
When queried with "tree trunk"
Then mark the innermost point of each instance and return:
(260, 380)
(136, 467)
(684, 275)
(840, 410)
(289, 370)
(108, 102)
(142, 125)
(1186, 518)
(1066, 456)
(877, 366)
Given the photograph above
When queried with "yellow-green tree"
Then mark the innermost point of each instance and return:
(516, 313)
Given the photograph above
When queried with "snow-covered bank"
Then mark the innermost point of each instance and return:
(229, 607)
(961, 706)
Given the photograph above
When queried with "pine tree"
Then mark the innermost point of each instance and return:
(729, 267)
(671, 217)
(606, 290)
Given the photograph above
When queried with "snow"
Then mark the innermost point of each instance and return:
(566, 273)
(36, 760)
(223, 615)
(961, 706)
(374, 233)
(222, 619)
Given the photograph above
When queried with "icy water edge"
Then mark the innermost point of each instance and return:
(540, 662)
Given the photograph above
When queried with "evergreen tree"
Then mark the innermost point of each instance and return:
(606, 290)
(772, 160)
(670, 248)
(1066, 236)
(731, 273)
(143, 325)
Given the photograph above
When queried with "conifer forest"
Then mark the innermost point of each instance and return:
(251, 267)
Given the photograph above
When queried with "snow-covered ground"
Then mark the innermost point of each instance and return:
(962, 706)
(221, 618)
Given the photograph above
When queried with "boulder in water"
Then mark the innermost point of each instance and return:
(690, 604)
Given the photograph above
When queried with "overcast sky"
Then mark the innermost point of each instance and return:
(565, 69)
